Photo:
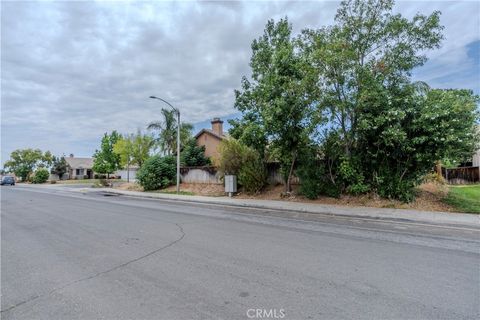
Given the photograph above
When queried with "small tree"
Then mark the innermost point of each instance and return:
(59, 166)
(193, 155)
(105, 160)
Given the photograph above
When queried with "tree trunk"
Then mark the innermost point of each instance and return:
(288, 186)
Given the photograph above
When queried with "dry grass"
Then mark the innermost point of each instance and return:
(199, 189)
(130, 186)
(429, 197)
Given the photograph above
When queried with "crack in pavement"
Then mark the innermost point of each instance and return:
(101, 272)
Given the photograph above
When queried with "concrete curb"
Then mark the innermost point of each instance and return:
(364, 212)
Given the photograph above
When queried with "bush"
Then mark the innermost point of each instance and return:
(252, 175)
(352, 178)
(193, 155)
(40, 176)
(310, 173)
(157, 172)
(231, 157)
(244, 162)
(314, 179)
(393, 185)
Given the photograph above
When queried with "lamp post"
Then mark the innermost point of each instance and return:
(178, 139)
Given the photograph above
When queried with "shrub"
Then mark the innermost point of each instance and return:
(193, 155)
(252, 175)
(352, 178)
(157, 172)
(40, 176)
(310, 173)
(231, 156)
(434, 177)
(314, 179)
(393, 184)
(246, 163)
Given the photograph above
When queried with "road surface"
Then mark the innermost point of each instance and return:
(68, 255)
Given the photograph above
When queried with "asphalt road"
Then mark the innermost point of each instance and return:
(89, 256)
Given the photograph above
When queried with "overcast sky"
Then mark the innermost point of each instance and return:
(71, 71)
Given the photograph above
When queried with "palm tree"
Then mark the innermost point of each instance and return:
(167, 132)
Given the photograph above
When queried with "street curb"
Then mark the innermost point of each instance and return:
(362, 212)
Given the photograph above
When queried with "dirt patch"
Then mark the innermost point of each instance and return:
(200, 189)
(130, 186)
(429, 198)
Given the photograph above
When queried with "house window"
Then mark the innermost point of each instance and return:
(79, 172)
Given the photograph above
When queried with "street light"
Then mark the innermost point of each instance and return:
(178, 139)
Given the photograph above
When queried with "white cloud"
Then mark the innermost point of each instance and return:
(73, 70)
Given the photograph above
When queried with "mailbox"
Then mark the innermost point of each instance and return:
(230, 184)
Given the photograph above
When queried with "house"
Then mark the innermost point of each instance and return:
(211, 138)
(79, 168)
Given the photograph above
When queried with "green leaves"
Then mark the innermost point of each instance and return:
(276, 102)
(167, 132)
(105, 160)
(23, 161)
(193, 155)
(157, 173)
(133, 149)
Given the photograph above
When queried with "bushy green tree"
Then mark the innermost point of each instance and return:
(277, 97)
(24, 161)
(157, 172)
(193, 155)
(105, 160)
(133, 149)
(59, 166)
(40, 176)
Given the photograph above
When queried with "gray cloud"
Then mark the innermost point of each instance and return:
(73, 70)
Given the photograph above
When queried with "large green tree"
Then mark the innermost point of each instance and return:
(105, 160)
(166, 139)
(388, 130)
(24, 161)
(276, 101)
(368, 51)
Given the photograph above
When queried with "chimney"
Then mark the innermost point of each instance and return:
(217, 126)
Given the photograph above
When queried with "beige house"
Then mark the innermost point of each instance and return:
(79, 168)
(211, 138)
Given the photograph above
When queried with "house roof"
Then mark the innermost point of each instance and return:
(84, 163)
(211, 132)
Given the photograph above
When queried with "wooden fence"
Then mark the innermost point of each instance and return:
(461, 175)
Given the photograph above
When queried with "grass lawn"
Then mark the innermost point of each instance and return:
(464, 198)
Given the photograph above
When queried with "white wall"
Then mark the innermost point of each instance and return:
(200, 176)
(123, 174)
(476, 159)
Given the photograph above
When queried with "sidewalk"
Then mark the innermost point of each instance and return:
(365, 212)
